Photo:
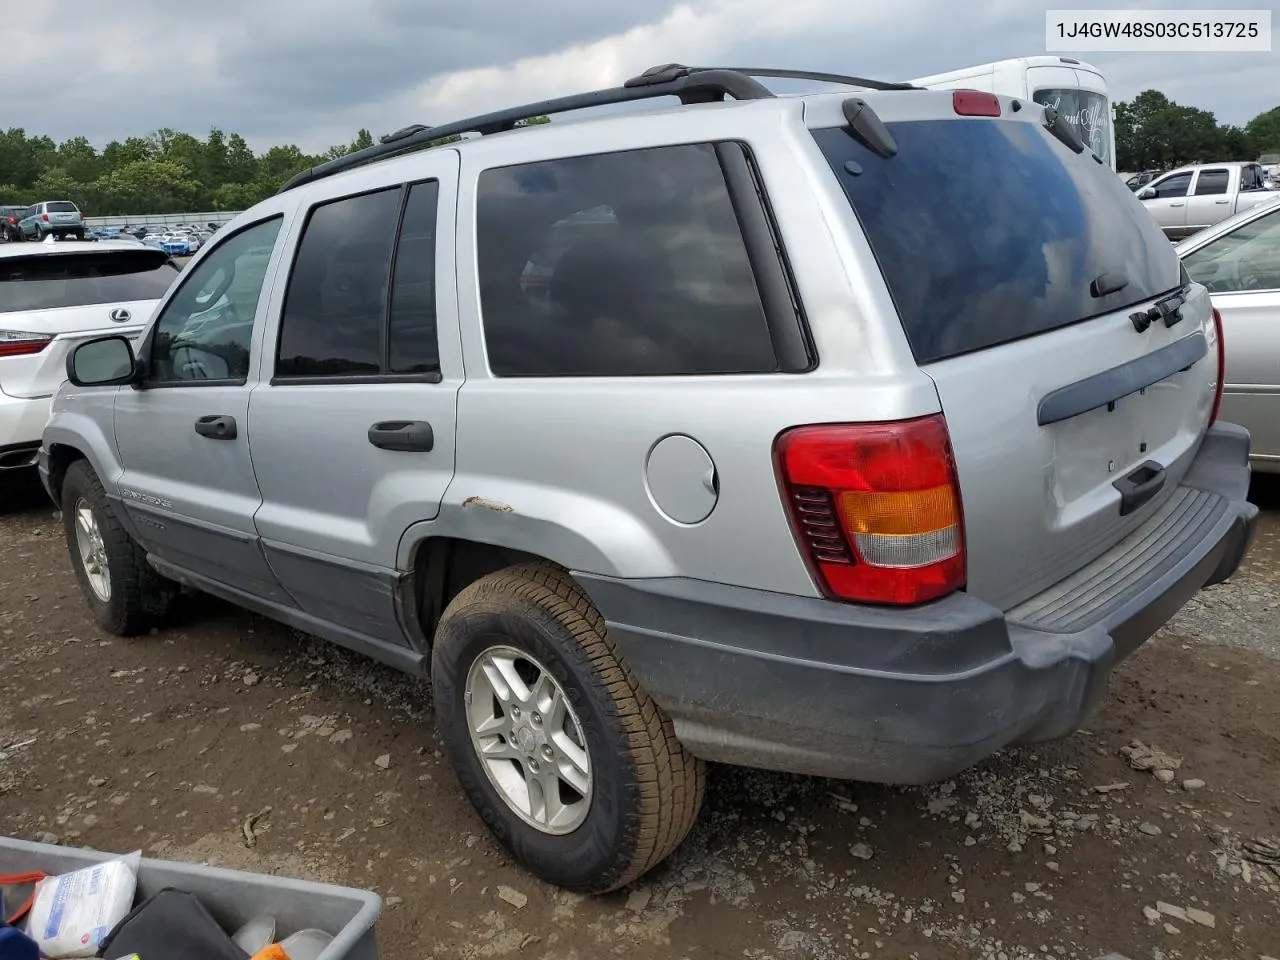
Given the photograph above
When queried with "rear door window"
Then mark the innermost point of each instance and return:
(1212, 182)
(988, 231)
(1086, 112)
(82, 279)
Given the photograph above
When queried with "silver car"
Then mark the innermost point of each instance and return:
(1238, 261)
(809, 432)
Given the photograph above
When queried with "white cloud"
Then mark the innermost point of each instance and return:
(314, 71)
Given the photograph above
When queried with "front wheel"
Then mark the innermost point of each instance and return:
(565, 757)
(124, 593)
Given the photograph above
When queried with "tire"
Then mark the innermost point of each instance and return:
(645, 788)
(136, 596)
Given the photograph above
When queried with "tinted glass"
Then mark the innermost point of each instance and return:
(413, 289)
(1175, 186)
(622, 264)
(1247, 258)
(1086, 112)
(82, 279)
(61, 206)
(987, 231)
(332, 320)
(1211, 182)
(206, 330)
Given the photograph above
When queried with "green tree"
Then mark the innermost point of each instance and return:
(56, 184)
(1154, 133)
(147, 186)
(79, 158)
(1264, 131)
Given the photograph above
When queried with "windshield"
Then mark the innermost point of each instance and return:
(1088, 113)
(78, 280)
(988, 231)
(61, 206)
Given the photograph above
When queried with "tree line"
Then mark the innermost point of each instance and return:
(173, 172)
(1154, 133)
(164, 172)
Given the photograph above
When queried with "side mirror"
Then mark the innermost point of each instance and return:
(102, 362)
(1147, 193)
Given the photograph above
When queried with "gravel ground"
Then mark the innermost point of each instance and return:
(169, 742)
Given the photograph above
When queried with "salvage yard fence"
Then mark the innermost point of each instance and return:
(163, 219)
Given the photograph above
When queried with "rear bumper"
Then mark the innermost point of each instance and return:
(811, 686)
(21, 426)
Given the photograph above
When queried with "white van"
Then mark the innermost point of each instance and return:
(1077, 90)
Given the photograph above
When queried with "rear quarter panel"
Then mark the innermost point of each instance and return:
(557, 466)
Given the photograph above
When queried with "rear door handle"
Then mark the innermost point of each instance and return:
(1139, 486)
(1222, 201)
(408, 435)
(1179, 204)
(217, 427)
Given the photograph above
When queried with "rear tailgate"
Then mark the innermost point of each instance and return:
(50, 301)
(1015, 265)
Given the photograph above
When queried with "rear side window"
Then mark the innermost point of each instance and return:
(619, 264)
(83, 279)
(1212, 182)
(343, 316)
(1086, 112)
(61, 206)
(987, 231)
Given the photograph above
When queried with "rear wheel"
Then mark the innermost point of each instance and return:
(125, 595)
(567, 760)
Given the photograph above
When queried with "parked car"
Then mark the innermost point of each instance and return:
(1238, 260)
(53, 296)
(1136, 181)
(861, 435)
(1192, 198)
(174, 244)
(58, 218)
(9, 217)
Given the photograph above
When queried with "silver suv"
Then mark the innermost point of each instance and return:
(857, 434)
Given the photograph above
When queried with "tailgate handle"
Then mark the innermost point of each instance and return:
(1139, 486)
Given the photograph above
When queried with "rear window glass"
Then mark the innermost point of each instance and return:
(77, 280)
(990, 231)
(61, 206)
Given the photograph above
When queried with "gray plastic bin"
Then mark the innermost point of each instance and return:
(233, 897)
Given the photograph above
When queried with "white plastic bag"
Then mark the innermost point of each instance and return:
(73, 913)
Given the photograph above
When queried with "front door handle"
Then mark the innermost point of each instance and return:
(1182, 204)
(217, 427)
(409, 435)
(1222, 201)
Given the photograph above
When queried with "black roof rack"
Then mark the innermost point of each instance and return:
(689, 84)
(839, 78)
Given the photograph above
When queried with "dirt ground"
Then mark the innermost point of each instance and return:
(169, 742)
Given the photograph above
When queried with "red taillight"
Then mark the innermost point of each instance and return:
(44, 217)
(16, 343)
(972, 103)
(1222, 367)
(876, 508)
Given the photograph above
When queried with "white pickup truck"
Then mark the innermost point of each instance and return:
(1188, 199)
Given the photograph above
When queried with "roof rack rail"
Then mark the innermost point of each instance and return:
(808, 75)
(689, 84)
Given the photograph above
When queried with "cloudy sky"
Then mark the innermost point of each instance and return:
(312, 72)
